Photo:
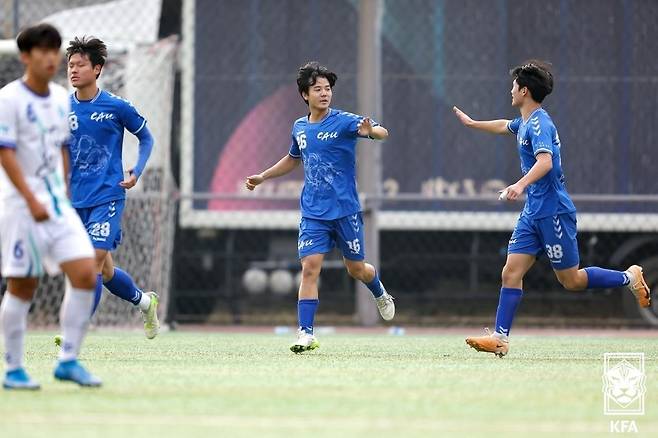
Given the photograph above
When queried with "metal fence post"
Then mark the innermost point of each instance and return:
(369, 85)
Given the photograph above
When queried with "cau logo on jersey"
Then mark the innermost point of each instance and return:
(327, 135)
(99, 117)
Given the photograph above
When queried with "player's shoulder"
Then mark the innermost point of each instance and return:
(345, 115)
(58, 92)
(115, 100)
(11, 90)
(541, 116)
(300, 122)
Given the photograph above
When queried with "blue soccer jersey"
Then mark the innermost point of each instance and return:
(548, 196)
(328, 150)
(97, 128)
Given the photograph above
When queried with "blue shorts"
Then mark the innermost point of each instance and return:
(319, 236)
(103, 224)
(555, 236)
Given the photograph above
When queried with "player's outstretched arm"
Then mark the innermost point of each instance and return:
(15, 175)
(365, 129)
(285, 165)
(492, 126)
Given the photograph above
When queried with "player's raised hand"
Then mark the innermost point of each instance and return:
(130, 181)
(463, 117)
(365, 127)
(38, 210)
(253, 181)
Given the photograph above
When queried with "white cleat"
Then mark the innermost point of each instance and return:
(386, 306)
(305, 342)
(151, 323)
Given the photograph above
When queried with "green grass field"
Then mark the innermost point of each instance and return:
(226, 385)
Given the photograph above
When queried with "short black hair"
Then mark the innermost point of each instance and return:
(537, 76)
(42, 35)
(92, 47)
(308, 75)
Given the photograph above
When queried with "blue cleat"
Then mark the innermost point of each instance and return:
(18, 379)
(72, 371)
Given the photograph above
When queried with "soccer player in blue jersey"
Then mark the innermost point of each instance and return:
(325, 141)
(547, 224)
(98, 188)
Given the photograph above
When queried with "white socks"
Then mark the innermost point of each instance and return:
(13, 313)
(144, 302)
(74, 318)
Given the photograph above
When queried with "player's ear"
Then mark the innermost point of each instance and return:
(97, 70)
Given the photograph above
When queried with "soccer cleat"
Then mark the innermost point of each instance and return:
(305, 342)
(490, 343)
(19, 379)
(151, 323)
(58, 340)
(72, 371)
(638, 286)
(386, 306)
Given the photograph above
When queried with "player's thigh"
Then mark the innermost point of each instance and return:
(21, 246)
(349, 237)
(315, 237)
(70, 249)
(103, 224)
(525, 239)
(559, 240)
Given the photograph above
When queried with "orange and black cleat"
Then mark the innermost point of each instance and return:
(491, 343)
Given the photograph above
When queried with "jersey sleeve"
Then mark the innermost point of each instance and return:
(8, 123)
(294, 151)
(513, 125)
(131, 118)
(541, 136)
(353, 121)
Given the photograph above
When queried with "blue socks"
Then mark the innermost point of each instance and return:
(98, 293)
(507, 304)
(375, 286)
(306, 314)
(123, 286)
(599, 278)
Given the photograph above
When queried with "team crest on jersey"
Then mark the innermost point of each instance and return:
(99, 117)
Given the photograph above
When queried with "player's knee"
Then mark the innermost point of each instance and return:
(511, 275)
(310, 270)
(356, 270)
(84, 277)
(571, 283)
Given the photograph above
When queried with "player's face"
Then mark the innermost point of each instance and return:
(42, 62)
(517, 94)
(80, 71)
(319, 94)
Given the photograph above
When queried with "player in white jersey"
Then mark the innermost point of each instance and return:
(38, 227)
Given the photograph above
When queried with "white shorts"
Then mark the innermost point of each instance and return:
(29, 247)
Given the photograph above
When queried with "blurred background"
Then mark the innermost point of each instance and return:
(216, 81)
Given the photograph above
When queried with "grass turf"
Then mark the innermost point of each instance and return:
(209, 384)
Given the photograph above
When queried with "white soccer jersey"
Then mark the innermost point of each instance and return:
(36, 127)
